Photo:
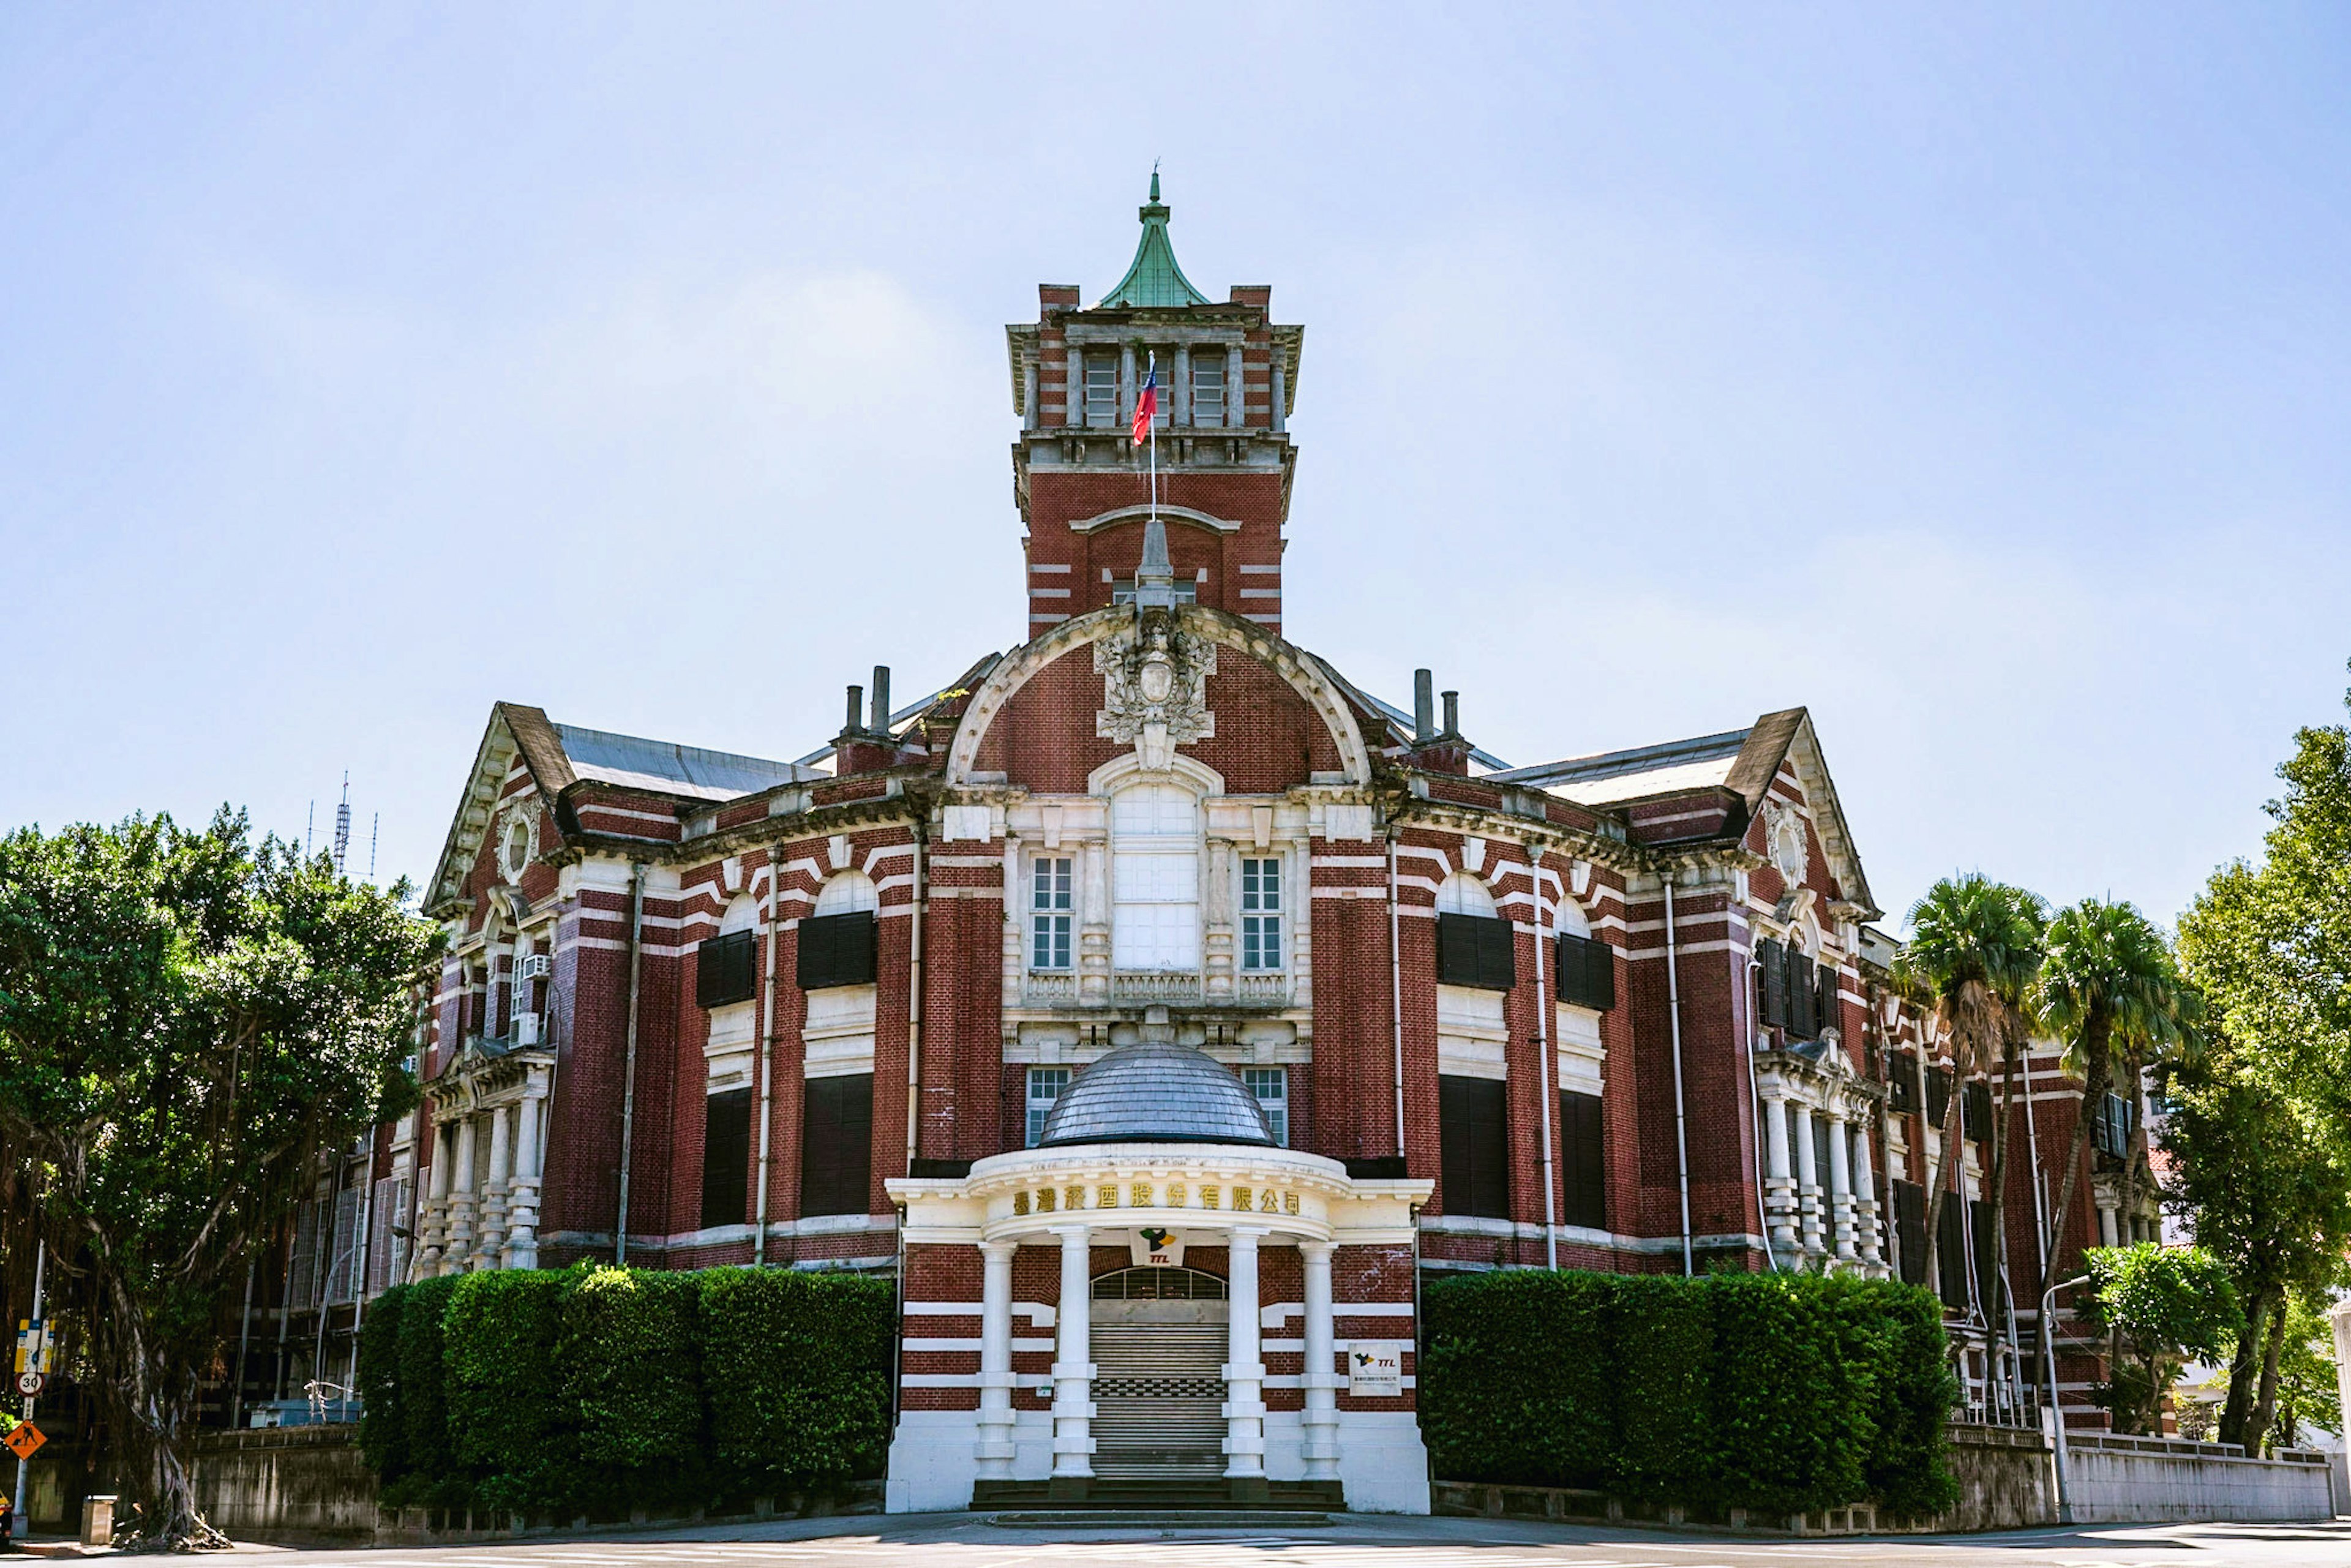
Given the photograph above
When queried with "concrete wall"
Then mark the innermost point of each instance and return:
(2008, 1480)
(2123, 1479)
(290, 1483)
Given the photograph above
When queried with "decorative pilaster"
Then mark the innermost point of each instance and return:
(995, 1446)
(1867, 1236)
(1073, 381)
(522, 1205)
(1126, 384)
(1839, 1185)
(457, 1251)
(1276, 388)
(1779, 1186)
(1183, 387)
(1094, 923)
(433, 1214)
(1809, 1197)
(494, 1191)
(1236, 398)
(1322, 1419)
(1245, 1370)
(1073, 1370)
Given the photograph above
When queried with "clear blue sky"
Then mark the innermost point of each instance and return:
(1976, 376)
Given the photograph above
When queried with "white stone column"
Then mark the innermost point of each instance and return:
(1244, 1371)
(1322, 1419)
(1073, 1370)
(495, 1190)
(1779, 1186)
(457, 1252)
(1275, 390)
(1028, 392)
(522, 1204)
(1810, 1204)
(1236, 403)
(2106, 1225)
(1073, 381)
(1865, 1183)
(1094, 922)
(1840, 1184)
(433, 1214)
(1183, 387)
(995, 1450)
(1127, 384)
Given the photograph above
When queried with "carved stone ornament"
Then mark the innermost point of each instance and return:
(1155, 689)
(1783, 836)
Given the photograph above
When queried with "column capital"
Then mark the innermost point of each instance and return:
(1316, 1252)
(1253, 1232)
(998, 1250)
(1068, 1231)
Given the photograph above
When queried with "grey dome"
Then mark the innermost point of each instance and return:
(1157, 1094)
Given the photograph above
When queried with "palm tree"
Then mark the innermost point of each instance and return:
(2108, 979)
(1974, 948)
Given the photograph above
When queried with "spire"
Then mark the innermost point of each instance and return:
(1155, 579)
(1153, 280)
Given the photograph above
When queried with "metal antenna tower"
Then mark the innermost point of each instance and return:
(343, 825)
(375, 826)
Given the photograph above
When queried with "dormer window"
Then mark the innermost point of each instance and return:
(1208, 389)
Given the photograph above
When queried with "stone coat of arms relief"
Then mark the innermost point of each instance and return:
(1154, 689)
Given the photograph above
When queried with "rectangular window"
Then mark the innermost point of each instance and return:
(1271, 1087)
(1825, 1011)
(1803, 998)
(1101, 390)
(836, 950)
(725, 970)
(1581, 1168)
(1939, 1095)
(2110, 1127)
(1260, 913)
(1976, 1113)
(1587, 972)
(1045, 1086)
(1208, 389)
(837, 1144)
(1156, 880)
(1952, 1253)
(725, 1158)
(1473, 1151)
(1773, 970)
(1987, 1251)
(1478, 950)
(1910, 1230)
(1902, 1081)
(1050, 914)
(1187, 591)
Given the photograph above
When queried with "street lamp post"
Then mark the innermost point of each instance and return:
(2056, 1408)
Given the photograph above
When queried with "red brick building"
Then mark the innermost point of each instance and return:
(1621, 1011)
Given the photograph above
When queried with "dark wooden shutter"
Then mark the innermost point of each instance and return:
(1951, 1254)
(1826, 1013)
(726, 1158)
(1583, 1172)
(836, 950)
(1472, 1147)
(1902, 1081)
(1976, 1113)
(1803, 998)
(1587, 972)
(1477, 950)
(1986, 1246)
(1821, 1127)
(1939, 1095)
(725, 970)
(1910, 1230)
(1775, 984)
(837, 1144)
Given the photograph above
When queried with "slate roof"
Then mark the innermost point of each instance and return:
(638, 763)
(1157, 1093)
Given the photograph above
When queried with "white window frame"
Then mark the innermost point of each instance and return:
(1052, 913)
(1258, 1081)
(1156, 881)
(1056, 1079)
(1101, 371)
(1209, 370)
(1261, 915)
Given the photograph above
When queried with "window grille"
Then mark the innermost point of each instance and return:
(836, 950)
(1476, 950)
(1271, 1087)
(1582, 1168)
(1051, 913)
(1260, 913)
(725, 969)
(1587, 972)
(837, 1144)
(1473, 1169)
(1045, 1086)
(1209, 390)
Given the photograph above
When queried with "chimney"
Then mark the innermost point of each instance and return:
(1424, 712)
(1453, 714)
(880, 722)
(856, 710)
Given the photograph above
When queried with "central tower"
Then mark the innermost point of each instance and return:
(1226, 376)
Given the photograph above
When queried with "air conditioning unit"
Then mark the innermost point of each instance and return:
(536, 966)
(525, 1029)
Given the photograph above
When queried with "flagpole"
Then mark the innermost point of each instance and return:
(1151, 370)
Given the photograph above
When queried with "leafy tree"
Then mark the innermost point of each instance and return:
(2261, 1133)
(2106, 973)
(2307, 1395)
(2165, 1306)
(1974, 947)
(188, 1018)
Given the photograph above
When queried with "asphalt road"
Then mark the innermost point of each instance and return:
(967, 1541)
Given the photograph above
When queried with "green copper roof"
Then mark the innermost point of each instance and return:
(1154, 282)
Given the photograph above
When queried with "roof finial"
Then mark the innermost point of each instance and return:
(1155, 180)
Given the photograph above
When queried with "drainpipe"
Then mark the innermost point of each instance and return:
(1746, 1015)
(1542, 1066)
(629, 1070)
(1395, 991)
(914, 1008)
(767, 1061)
(1674, 1013)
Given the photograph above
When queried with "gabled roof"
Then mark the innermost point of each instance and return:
(1153, 281)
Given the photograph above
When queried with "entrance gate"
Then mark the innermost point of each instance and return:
(1159, 1340)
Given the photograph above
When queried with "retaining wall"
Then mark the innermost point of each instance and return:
(286, 1483)
(2118, 1480)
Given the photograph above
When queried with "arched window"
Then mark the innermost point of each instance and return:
(742, 914)
(1569, 919)
(1464, 894)
(1155, 878)
(848, 892)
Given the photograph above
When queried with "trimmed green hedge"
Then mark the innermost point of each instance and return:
(593, 1390)
(1781, 1392)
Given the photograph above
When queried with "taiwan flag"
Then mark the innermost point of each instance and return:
(1146, 406)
